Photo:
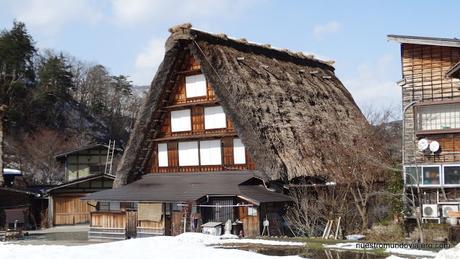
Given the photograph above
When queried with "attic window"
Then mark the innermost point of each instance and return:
(210, 152)
(195, 86)
(214, 118)
(188, 153)
(162, 155)
(180, 120)
(239, 153)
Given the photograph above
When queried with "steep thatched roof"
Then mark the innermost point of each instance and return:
(284, 105)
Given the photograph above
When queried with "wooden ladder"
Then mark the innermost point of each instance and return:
(109, 158)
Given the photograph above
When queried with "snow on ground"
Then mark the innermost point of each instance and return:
(188, 245)
(398, 251)
(451, 253)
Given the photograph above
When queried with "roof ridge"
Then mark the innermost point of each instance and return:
(187, 31)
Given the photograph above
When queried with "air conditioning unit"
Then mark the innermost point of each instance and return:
(430, 210)
(447, 208)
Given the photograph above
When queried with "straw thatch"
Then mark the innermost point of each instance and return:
(284, 105)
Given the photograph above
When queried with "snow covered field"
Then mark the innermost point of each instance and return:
(452, 253)
(188, 245)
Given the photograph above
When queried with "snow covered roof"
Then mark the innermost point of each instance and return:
(11, 171)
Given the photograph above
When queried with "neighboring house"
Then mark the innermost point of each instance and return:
(86, 161)
(87, 170)
(431, 123)
(17, 203)
(222, 119)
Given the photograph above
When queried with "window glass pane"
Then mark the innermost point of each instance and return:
(438, 117)
(180, 120)
(104, 206)
(239, 153)
(411, 175)
(188, 153)
(195, 86)
(214, 118)
(210, 152)
(114, 206)
(451, 174)
(162, 154)
(431, 175)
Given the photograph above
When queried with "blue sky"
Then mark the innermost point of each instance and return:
(127, 36)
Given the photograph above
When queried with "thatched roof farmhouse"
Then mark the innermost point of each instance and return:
(283, 105)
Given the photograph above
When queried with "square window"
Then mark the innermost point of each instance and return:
(195, 86)
(214, 118)
(180, 120)
(188, 153)
(252, 211)
(452, 175)
(162, 155)
(210, 152)
(431, 175)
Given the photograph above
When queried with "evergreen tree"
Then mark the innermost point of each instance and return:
(16, 71)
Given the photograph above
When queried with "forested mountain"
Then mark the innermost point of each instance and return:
(51, 101)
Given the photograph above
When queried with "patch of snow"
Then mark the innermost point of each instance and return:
(451, 253)
(355, 237)
(398, 251)
(188, 245)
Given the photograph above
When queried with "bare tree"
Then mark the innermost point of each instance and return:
(37, 156)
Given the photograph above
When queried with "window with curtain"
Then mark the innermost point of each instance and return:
(431, 175)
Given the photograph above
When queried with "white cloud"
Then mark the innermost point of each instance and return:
(320, 31)
(135, 12)
(52, 15)
(372, 86)
(147, 61)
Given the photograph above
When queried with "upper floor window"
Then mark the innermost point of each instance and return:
(214, 118)
(195, 86)
(210, 152)
(162, 155)
(181, 121)
(188, 153)
(438, 117)
(239, 153)
(426, 175)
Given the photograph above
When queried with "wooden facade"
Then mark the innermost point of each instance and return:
(424, 69)
(430, 101)
(197, 105)
(64, 204)
(70, 210)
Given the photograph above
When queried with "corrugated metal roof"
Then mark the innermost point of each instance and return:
(446, 42)
(170, 187)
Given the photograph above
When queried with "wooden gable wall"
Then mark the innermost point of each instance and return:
(198, 132)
